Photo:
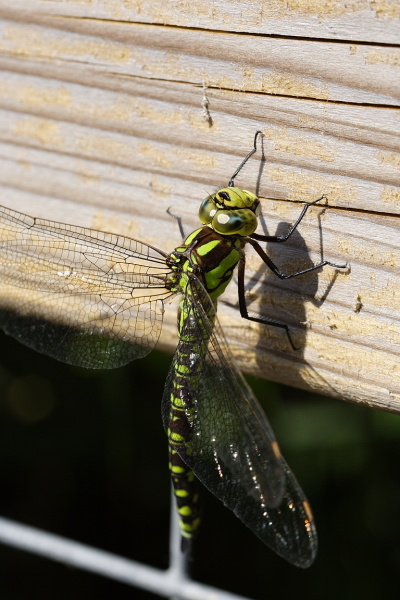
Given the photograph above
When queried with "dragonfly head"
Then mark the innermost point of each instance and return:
(231, 211)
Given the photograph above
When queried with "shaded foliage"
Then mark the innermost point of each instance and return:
(84, 455)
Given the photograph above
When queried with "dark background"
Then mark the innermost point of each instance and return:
(83, 455)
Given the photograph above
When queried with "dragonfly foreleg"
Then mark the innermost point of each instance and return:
(283, 238)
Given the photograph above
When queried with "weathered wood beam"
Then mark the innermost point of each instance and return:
(103, 123)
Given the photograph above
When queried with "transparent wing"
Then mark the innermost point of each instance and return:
(230, 445)
(85, 297)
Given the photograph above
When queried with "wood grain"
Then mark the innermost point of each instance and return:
(360, 20)
(102, 124)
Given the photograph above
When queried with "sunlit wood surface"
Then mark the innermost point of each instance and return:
(111, 112)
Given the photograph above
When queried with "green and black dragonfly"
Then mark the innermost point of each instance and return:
(96, 300)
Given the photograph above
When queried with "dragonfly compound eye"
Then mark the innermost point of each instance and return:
(231, 211)
(241, 221)
(207, 210)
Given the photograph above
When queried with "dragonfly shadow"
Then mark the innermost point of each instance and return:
(285, 301)
(280, 300)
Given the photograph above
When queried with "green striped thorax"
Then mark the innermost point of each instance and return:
(231, 211)
(213, 251)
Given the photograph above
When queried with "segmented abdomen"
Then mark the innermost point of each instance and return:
(205, 259)
(187, 367)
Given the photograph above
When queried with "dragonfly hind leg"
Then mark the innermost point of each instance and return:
(267, 261)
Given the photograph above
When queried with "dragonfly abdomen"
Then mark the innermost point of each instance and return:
(210, 258)
(185, 373)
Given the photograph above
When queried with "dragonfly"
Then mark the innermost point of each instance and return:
(96, 300)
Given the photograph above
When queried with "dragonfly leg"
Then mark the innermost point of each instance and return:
(271, 265)
(244, 161)
(180, 224)
(283, 238)
(266, 260)
(243, 307)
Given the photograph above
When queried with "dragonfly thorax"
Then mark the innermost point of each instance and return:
(209, 256)
(231, 211)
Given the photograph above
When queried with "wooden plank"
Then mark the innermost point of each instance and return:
(102, 125)
(359, 20)
(349, 152)
(342, 72)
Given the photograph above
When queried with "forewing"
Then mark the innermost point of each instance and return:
(85, 297)
(231, 447)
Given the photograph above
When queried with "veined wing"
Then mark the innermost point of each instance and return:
(230, 445)
(85, 297)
